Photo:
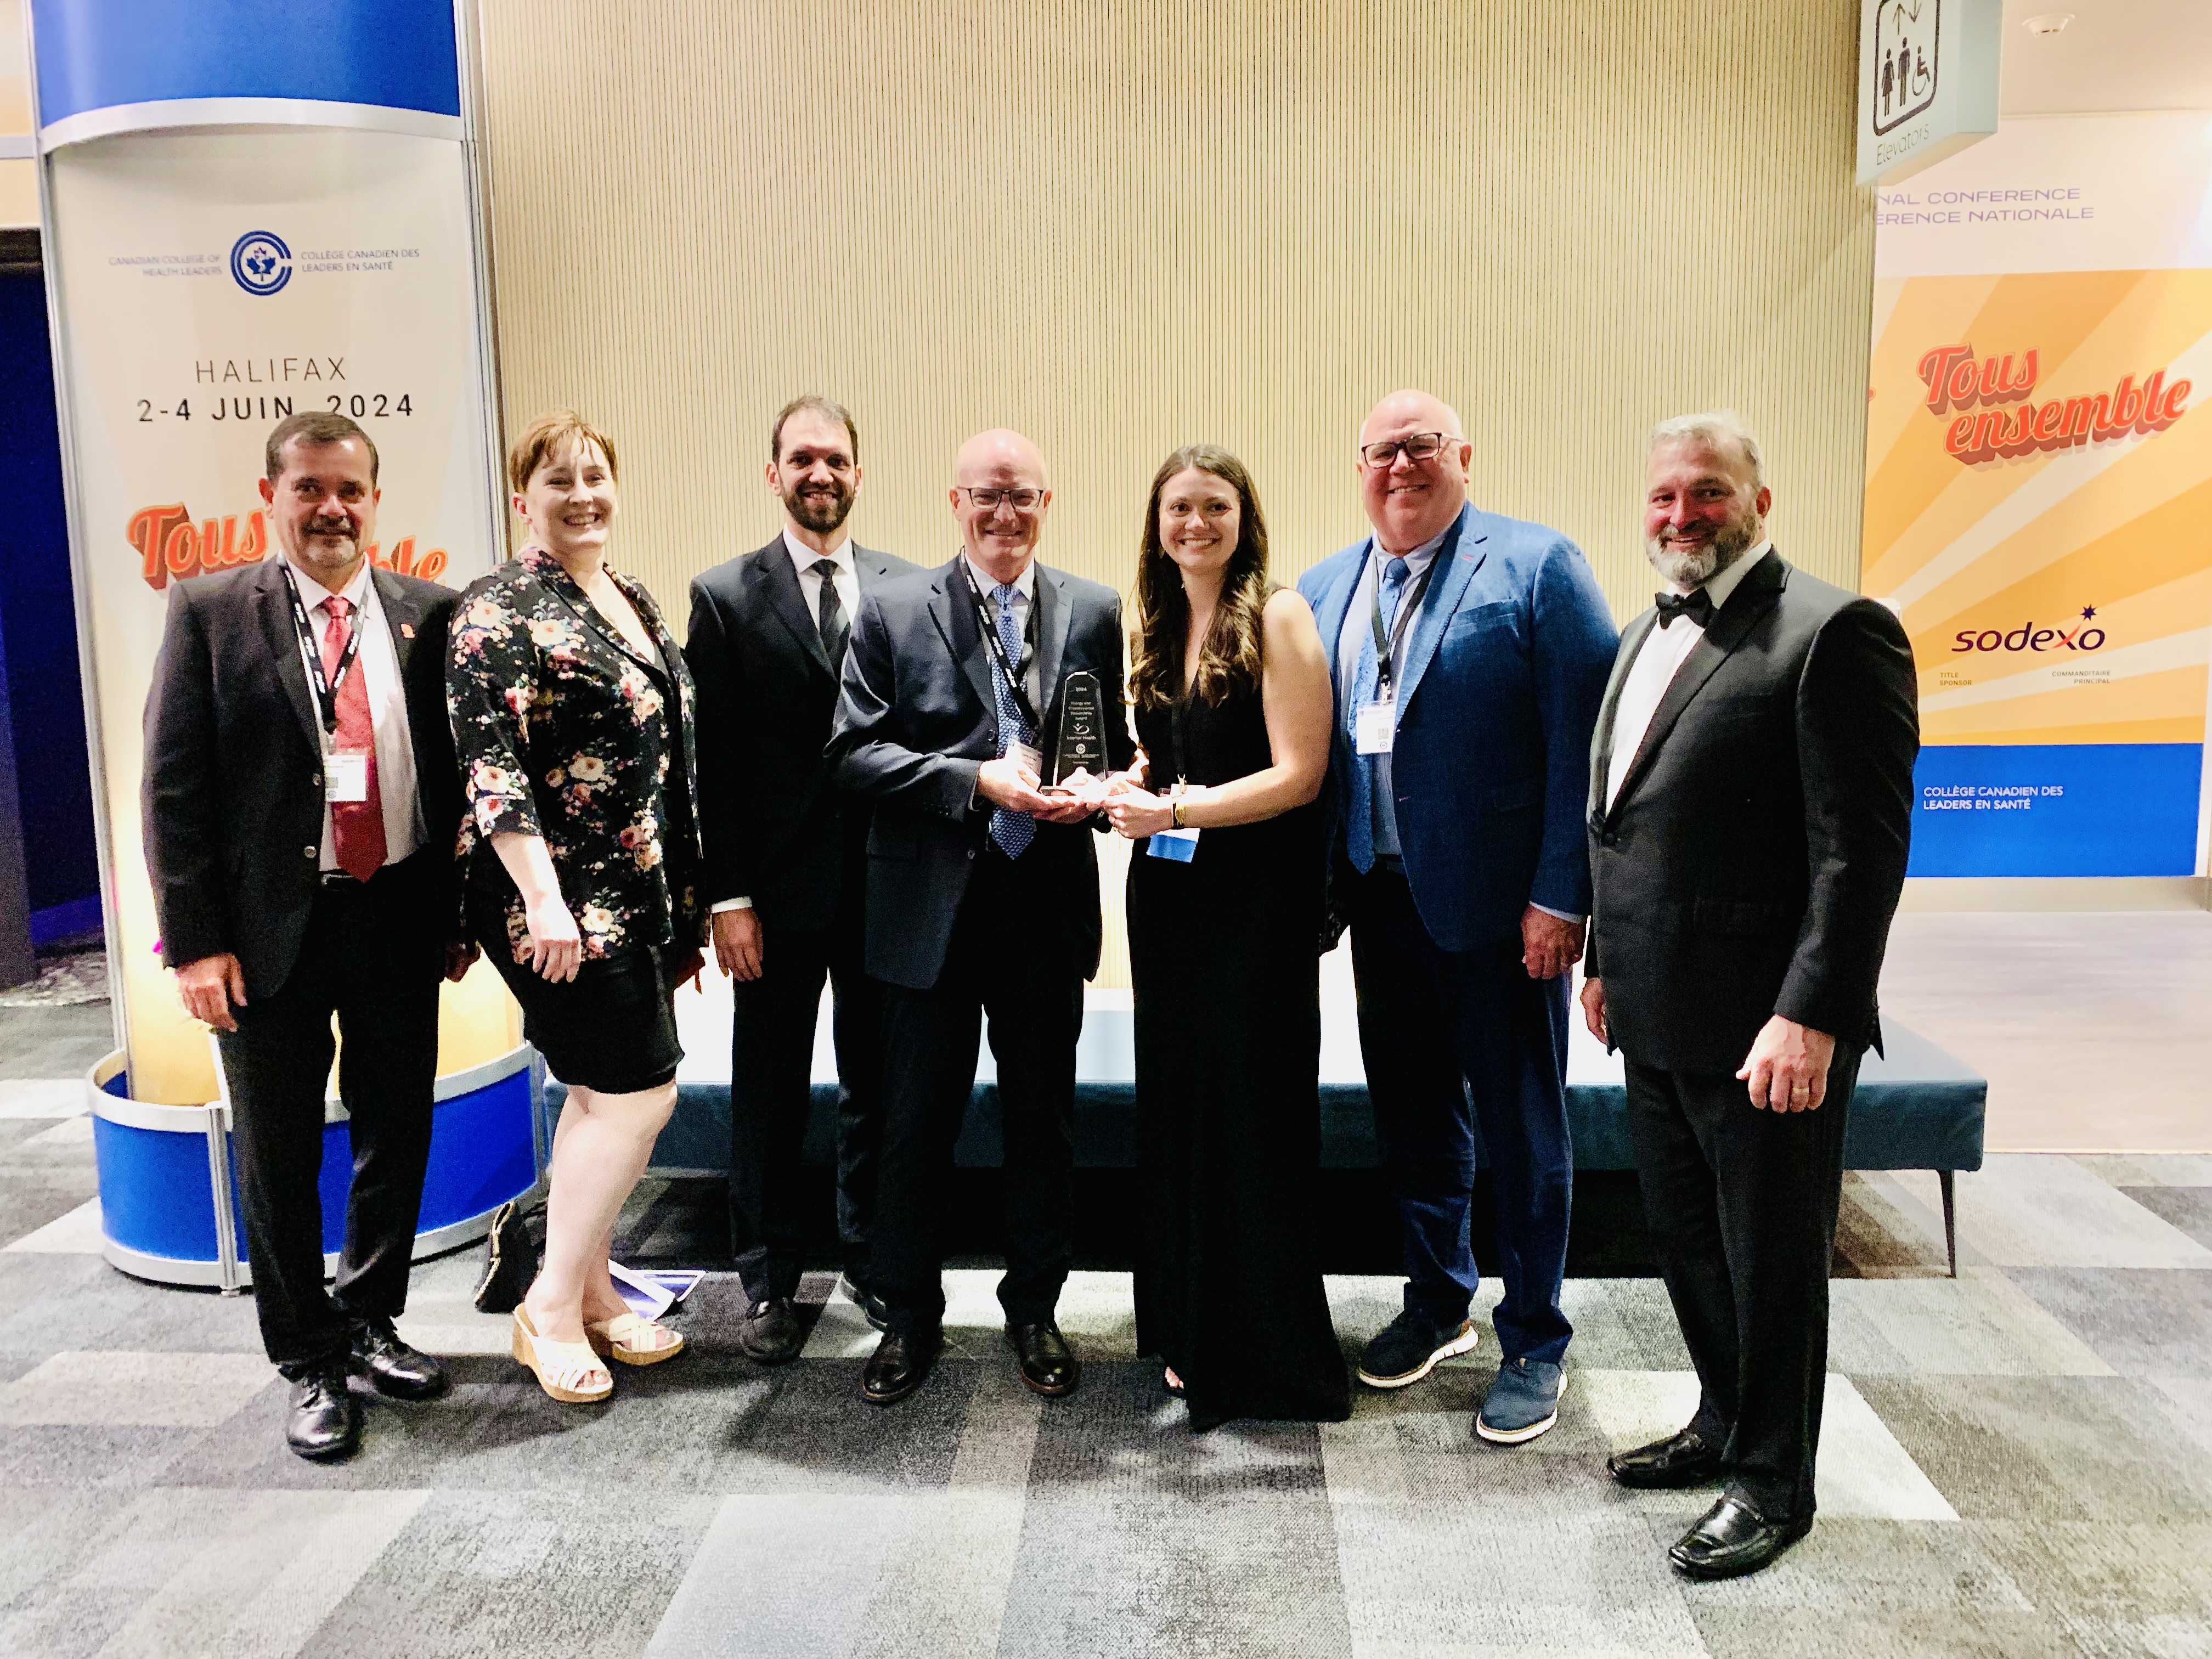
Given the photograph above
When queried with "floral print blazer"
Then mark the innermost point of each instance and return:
(565, 732)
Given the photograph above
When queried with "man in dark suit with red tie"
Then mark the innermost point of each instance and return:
(300, 808)
(1751, 800)
(786, 863)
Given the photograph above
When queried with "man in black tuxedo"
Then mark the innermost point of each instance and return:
(787, 861)
(301, 806)
(983, 894)
(1751, 797)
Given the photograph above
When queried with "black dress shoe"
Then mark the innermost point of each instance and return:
(1048, 1364)
(871, 1306)
(1732, 1538)
(394, 1369)
(771, 1333)
(897, 1367)
(325, 1420)
(1682, 1460)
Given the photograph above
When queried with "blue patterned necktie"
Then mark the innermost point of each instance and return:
(1012, 831)
(1359, 833)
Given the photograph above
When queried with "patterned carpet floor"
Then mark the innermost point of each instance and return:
(2017, 1463)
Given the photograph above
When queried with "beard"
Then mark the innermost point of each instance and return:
(326, 550)
(820, 508)
(1688, 570)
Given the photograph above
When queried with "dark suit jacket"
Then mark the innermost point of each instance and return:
(1504, 667)
(915, 722)
(1753, 857)
(232, 796)
(774, 825)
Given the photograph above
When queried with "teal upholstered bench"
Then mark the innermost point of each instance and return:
(1917, 1107)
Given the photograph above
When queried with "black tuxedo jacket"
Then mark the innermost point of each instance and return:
(231, 793)
(774, 825)
(917, 719)
(1751, 863)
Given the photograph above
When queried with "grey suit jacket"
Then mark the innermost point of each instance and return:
(916, 720)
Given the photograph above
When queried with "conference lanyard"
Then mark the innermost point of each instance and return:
(326, 685)
(1178, 720)
(1386, 646)
(998, 650)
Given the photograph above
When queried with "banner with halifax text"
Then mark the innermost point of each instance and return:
(211, 283)
(2039, 492)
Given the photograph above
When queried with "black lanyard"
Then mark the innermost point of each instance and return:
(1178, 722)
(326, 685)
(1386, 646)
(998, 650)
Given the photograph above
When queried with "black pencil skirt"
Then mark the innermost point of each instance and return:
(612, 1028)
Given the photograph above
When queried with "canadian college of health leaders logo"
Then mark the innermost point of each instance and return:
(261, 261)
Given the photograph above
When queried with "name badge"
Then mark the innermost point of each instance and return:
(1180, 845)
(1028, 756)
(345, 776)
(1374, 728)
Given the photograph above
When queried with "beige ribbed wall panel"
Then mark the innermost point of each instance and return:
(1123, 227)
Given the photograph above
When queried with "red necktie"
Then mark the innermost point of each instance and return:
(357, 826)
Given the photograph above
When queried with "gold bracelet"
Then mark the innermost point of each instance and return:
(1175, 812)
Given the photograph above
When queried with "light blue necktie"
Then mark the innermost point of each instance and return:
(1013, 831)
(1360, 832)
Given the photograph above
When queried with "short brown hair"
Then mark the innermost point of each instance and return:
(315, 428)
(828, 408)
(546, 434)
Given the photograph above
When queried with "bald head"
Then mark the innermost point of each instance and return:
(1411, 500)
(1000, 533)
(1410, 411)
(997, 456)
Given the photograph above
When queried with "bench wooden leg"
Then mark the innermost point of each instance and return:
(1945, 1178)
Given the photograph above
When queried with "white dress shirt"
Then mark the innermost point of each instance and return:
(1658, 659)
(805, 558)
(378, 664)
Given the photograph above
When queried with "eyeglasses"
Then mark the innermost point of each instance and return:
(1022, 501)
(1416, 446)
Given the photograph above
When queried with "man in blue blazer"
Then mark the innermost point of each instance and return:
(1471, 653)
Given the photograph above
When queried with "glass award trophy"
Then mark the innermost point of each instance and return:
(1080, 754)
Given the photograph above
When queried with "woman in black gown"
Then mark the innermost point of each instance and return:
(1233, 710)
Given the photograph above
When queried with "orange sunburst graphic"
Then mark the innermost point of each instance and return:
(2039, 501)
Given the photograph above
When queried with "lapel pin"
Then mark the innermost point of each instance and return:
(407, 631)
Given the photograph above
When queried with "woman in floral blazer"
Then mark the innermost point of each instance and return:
(572, 715)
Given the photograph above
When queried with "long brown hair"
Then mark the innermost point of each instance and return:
(1229, 658)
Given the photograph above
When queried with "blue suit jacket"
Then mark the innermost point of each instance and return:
(1505, 673)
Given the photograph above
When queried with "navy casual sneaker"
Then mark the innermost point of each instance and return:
(1409, 1347)
(1522, 1402)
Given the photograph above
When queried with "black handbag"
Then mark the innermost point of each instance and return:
(511, 1249)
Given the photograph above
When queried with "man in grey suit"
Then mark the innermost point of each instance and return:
(982, 895)
(786, 862)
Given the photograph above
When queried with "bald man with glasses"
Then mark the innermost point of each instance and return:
(1471, 654)
(982, 895)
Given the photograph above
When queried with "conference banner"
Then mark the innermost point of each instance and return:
(2039, 492)
(211, 284)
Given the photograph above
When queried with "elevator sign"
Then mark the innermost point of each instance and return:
(1928, 81)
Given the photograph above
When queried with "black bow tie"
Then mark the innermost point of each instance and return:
(1698, 607)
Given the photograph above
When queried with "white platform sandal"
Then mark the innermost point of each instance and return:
(570, 1371)
(633, 1340)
